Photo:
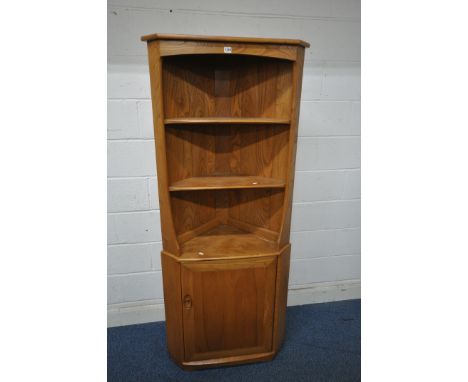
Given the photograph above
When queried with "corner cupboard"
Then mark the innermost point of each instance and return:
(225, 112)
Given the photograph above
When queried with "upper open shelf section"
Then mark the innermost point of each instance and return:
(214, 88)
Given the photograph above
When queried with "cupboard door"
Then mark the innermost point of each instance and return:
(228, 307)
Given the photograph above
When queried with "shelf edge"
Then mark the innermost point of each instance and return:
(227, 121)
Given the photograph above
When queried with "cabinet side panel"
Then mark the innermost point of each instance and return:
(167, 225)
(173, 306)
(284, 88)
(282, 279)
(297, 88)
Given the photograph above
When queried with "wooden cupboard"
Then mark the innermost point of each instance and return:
(225, 115)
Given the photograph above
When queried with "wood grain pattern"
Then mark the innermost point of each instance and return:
(211, 86)
(167, 225)
(297, 83)
(261, 232)
(192, 210)
(226, 120)
(201, 38)
(225, 182)
(173, 48)
(223, 157)
(226, 133)
(226, 241)
(228, 361)
(199, 230)
(227, 150)
(257, 207)
(281, 298)
(231, 310)
(172, 289)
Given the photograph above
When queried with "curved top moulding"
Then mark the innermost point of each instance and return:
(256, 40)
(176, 44)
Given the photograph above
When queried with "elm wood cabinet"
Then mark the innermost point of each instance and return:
(225, 113)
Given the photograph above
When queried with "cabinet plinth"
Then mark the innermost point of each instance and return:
(225, 113)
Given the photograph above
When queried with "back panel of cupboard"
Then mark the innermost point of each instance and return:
(210, 150)
(226, 86)
(260, 208)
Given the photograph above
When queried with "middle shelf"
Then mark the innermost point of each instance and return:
(225, 183)
(226, 121)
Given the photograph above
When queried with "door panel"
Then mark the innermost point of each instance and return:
(228, 307)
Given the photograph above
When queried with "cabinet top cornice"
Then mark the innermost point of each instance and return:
(255, 40)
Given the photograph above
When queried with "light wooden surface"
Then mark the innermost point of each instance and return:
(287, 210)
(225, 132)
(225, 182)
(172, 292)
(169, 238)
(228, 361)
(231, 86)
(229, 307)
(226, 241)
(201, 38)
(225, 120)
(199, 151)
(175, 48)
(281, 297)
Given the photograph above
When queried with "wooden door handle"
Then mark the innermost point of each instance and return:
(187, 301)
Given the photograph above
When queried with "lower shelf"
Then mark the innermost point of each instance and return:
(226, 241)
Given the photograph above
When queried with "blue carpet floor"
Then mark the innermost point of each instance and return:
(323, 343)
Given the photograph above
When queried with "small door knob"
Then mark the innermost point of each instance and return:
(187, 301)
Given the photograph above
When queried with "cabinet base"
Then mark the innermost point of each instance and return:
(226, 361)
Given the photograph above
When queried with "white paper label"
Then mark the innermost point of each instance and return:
(227, 49)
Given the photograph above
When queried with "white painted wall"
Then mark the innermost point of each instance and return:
(326, 214)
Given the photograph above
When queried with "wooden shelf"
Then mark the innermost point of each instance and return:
(227, 121)
(225, 183)
(226, 241)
